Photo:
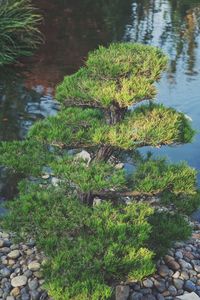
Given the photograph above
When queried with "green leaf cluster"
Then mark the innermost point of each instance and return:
(148, 125)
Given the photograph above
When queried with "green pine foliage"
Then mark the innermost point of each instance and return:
(93, 245)
(123, 74)
(97, 177)
(89, 249)
(147, 125)
(166, 229)
(19, 32)
(24, 157)
(157, 175)
(71, 127)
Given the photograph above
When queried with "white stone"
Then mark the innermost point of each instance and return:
(191, 296)
(14, 254)
(119, 166)
(19, 281)
(84, 155)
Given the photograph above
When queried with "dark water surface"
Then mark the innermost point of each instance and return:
(71, 29)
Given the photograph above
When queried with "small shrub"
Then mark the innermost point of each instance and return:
(89, 249)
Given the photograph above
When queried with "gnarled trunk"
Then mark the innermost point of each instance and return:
(87, 198)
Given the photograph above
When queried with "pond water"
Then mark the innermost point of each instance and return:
(71, 29)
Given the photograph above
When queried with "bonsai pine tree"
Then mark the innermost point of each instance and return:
(90, 245)
(98, 113)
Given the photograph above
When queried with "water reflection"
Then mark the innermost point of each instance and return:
(72, 28)
(172, 25)
(19, 106)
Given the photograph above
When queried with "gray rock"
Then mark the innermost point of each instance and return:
(136, 296)
(185, 265)
(14, 247)
(2, 244)
(5, 272)
(33, 284)
(5, 235)
(148, 283)
(178, 283)
(160, 297)
(149, 297)
(197, 268)
(122, 292)
(1, 292)
(10, 298)
(176, 274)
(191, 296)
(28, 273)
(179, 254)
(189, 286)
(160, 285)
(25, 297)
(184, 275)
(34, 266)
(84, 155)
(163, 270)
(172, 290)
(19, 281)
(145, 291)
(35, 295)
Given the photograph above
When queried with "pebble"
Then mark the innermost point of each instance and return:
(163, 270)
(189, 286)
(178, 273)
(19, 281)
(148, 283)
(34, 266)
(20, 270)
(178, 283)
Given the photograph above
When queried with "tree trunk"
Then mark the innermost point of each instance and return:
(114, 115)
(103, 153)
(87, 198)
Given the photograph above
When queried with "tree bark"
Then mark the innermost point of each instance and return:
(87, 198)
(113, 116)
